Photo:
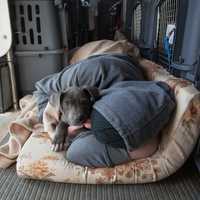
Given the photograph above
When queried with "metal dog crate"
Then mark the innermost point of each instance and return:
(5, 86)
(167, 14)
(136, 23)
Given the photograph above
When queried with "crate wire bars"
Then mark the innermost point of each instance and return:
(136, 23)
(167, 14)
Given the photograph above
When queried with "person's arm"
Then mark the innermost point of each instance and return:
(51, 84)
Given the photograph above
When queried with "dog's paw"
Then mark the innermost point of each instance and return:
(58, 143)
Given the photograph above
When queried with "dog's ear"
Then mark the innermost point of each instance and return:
(93, 93)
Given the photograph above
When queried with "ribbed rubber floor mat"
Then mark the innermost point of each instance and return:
(184, 185)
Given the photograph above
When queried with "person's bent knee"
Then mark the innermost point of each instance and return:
(75, 156)
(87, 151)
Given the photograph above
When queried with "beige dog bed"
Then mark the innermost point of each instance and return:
(37, 161)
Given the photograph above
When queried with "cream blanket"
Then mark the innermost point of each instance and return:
(19, 130)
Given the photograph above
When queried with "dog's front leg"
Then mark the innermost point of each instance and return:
(58, 142)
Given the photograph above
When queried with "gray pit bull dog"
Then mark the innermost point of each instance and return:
(75, 106)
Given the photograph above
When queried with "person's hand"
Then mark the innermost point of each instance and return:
(72, 130)
(87, 124)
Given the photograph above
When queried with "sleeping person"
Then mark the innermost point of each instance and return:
(101, 71)
(126, 119)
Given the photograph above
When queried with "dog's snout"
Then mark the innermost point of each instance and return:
(76, 106)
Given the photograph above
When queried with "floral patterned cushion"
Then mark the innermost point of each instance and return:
(37, 161)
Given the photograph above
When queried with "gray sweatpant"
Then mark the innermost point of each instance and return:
(86, 150)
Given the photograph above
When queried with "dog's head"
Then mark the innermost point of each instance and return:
(76, 104)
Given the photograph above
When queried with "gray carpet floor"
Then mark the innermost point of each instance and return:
(184, 185)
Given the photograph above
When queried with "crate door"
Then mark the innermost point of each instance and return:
(136, 23)
(166, 28)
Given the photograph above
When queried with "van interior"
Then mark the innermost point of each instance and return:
(37, 39)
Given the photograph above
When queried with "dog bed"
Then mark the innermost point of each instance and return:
(178, 139)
